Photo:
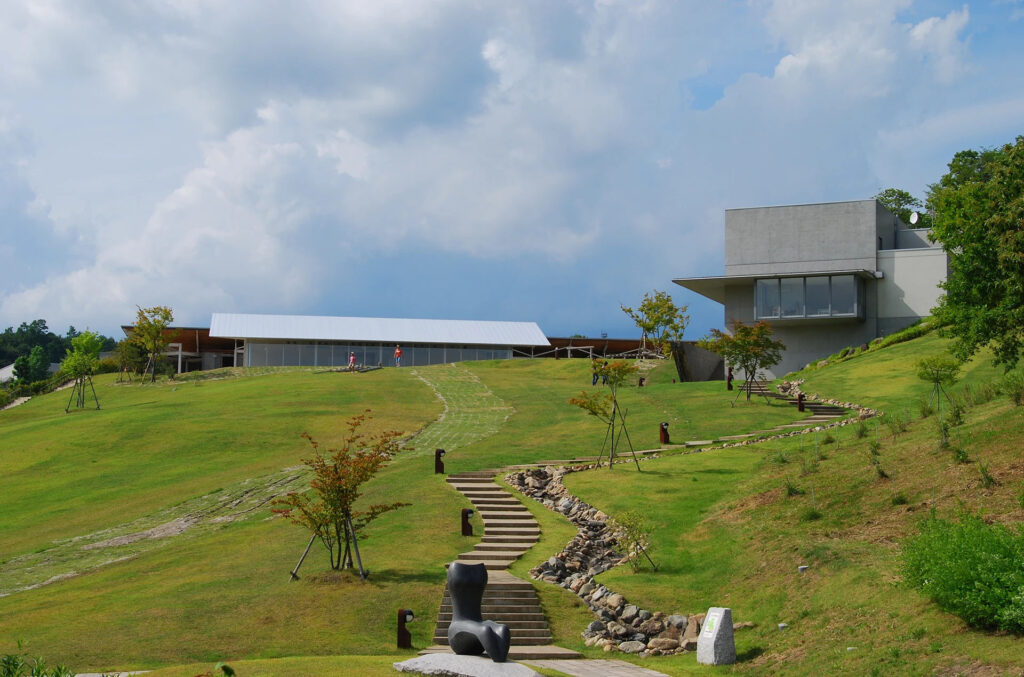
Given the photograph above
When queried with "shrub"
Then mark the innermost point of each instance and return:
(108, 365)
(793, 490)
(810, 515)
(900, 498)
(20, 665)
(875, 447)
(844, 352)
(779, 458)
(5, 398)
(987, 480)
(634, 536)
(960, 455)
(828, 439)
(808, 465)
(1012, 386)
(925, 408)
(969, 568)
(860, 430)
(896, 424)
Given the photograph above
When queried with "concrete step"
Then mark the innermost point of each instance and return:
(504, 556)
(504, 547)
(523, 514)
(476, 473)
(442, 624)
(508, 530)
(488, 563)
(511, 616)
(520, 653)
(509, 539)
(470, 479)
(520, 641)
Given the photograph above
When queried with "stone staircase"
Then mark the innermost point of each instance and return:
(820, 413)
(509, 531)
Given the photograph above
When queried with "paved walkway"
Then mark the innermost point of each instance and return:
(596, 668)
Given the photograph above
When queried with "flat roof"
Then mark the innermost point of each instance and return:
(714, 287)
(375, 329)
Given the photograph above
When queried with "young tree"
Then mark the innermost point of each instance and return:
(979, 220)
(748, 347)
(606, 407)
(80, 363)
(660, 320)
(903, 204)
(131, 358)
(149, 334)
(329, 512)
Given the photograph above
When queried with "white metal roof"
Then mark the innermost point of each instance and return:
(374, 329)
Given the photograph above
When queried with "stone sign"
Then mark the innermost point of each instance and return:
(715, 644)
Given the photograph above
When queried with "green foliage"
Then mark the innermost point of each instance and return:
(148, 333)
(987, 481)
(633, 531)
(1012, 386)
(903, 204)
(32, 367)
(939, 370)
(960, 455)
(860, 430)
(979, 206)
(659, 319)
(337, 478)
(899, 498)
(20, 665)
(748, 347)
(83, 356)
(1020, 496)
(969, 568)
(792, 489)
(811, 514)
(896, 423)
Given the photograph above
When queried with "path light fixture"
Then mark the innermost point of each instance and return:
(467, 528)
(799, 401)
(438, 463)
(728, 380)
(404, 636)
(663, 433)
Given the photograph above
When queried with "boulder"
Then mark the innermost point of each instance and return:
(629, 613)
(676, 621)
(614, 601)
(596, 626)
(689, 644)
(671, 633)
(652, 627)
(632, 647)
(663, 644)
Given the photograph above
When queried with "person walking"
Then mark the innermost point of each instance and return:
(351, 361)
(398, 355)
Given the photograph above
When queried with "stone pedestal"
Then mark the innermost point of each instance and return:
(715, 644)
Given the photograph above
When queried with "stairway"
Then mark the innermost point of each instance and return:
(820, 412)
(509, 531)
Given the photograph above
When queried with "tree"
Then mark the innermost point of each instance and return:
(979, 220)
(80, 363)
(659, 319)
(329, 513)
(131, 357)
(32, 367)
(605, 407)
(149, 333)
(749, 347)
(903, 204)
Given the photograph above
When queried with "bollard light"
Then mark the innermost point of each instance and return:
(404, 636)
(663, 433)
(728, 380)
(438, 463)
(799, 401)
(467, 528)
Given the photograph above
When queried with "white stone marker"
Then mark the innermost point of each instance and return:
(715, 644)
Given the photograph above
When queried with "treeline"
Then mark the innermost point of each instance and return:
(20, 342)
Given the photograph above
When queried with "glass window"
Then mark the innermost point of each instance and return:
(817, 296)
(767, 298)
(844, 295)
(792, 296)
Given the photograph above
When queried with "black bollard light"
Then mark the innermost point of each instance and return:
(728, 380)
(799, 401)
(663, 433)
(438, 463)
(404, 636)
(467, 528)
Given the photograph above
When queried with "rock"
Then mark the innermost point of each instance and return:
(783, 626)
(587, 588)
(614, 601)
(671, 633)
(676, 621)
(632, 647)
(617, 630)
(608, 647)
(689, 644)
(692, 627)
(743, 626)
(596, 626)
(643, 614)
(651, 627)
(629, 613)
(638, 637)
(663, 644)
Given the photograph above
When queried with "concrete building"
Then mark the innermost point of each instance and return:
(304, 340)
(825, 276)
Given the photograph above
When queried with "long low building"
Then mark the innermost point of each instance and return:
(317, 341)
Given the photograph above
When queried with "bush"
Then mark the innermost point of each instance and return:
(1012, 386)
(960, 455)
(925, 408)
(20, 665)
(860, 430)
(896, 424)
(5, 398)
(969, 568)
(108, 365)
(900, 498)
(793, 490)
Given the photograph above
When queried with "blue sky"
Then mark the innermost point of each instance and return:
(543, 161)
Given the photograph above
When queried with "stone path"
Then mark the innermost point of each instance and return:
(596, 668)
(509, 531)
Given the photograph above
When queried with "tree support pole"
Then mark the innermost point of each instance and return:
(295, 571)
(629, 441)
(355, 545)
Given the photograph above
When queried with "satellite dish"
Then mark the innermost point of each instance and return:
(914, 216)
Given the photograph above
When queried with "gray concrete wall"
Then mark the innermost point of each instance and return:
(913, 238)
(703, 365)
(910, 286)
(804, 238)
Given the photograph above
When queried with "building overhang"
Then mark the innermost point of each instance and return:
(715, 287)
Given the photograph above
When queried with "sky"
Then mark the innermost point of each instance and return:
(538, 161)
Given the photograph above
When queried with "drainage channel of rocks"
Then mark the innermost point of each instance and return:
(622, 625)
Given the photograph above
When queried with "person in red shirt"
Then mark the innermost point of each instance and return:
(351, 361)
(398, 356)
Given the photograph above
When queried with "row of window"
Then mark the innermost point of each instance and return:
(299, 354)
(808, 297)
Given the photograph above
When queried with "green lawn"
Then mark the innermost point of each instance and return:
(725, 531)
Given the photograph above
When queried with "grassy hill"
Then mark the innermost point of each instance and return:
(727, 532)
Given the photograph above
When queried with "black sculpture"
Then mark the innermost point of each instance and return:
(468, 633)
